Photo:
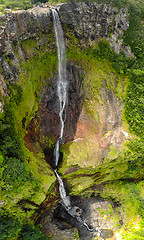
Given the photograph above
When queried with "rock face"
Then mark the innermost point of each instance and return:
(21, 25)
(18, 26)
(90, 21)
(87, 21)
(93, 120)
(97, 214)
(49, 110)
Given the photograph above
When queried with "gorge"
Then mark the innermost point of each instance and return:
(71, 121)
(62, 96)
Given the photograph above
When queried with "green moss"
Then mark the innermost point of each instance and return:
(87, 149)
(134, 107)
(30, 47)
(76, 235)
(41, 170)
(79, 184)
(34, 74)
(25, 175)
(121, 166)
(100, 75)
(0, 69)
(127, 194)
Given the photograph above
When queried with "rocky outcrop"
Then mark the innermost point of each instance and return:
(96, 213)
(47, 116)
(93, 124)
(16, 27)
(22, 25)
(88, 21)
(91, 21)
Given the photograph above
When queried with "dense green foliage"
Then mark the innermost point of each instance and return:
(14, 4)
(19, 179)
(9, 226)
(12, 227)
(134, 108)
(133, 68)
(18, 4)
(123, 174)
(15, 170)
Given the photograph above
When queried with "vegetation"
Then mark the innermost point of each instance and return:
(134, 107)
(120, 175)
(14, 228)
(15, 4)
(17, 182)
(23, 174)
(18, 4)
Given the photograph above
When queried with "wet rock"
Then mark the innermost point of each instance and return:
(16, 27)
(49, 108)
(75, 211)
(97, 213)
(90, 21)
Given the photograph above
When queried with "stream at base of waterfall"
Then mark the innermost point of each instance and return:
(62, 92)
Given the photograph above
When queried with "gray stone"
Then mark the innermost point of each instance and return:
(75, 211)
(88, 21)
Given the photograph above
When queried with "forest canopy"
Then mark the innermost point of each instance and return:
(25, 4)
(18, 4)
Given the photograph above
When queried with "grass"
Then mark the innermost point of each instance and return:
(33, 73)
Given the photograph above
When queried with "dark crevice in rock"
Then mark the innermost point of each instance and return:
(59, 219)
(46, 121)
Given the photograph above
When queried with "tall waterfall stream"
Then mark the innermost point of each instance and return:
(62, 85)
(62, 96)
(62, 79)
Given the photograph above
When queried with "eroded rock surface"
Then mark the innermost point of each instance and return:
(49, 109)
(97, 214)
(93, 123)
(90, 21)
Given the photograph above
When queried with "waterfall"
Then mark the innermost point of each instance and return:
(62, 95)
(64, 197)
(62, 80)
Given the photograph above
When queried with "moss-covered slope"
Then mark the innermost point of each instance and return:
(103, 150)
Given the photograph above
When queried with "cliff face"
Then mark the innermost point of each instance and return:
(95, 129)
(88, 21)
(22, 25)
(16, 27)
(91, 21)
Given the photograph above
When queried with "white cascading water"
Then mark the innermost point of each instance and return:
(64, 197)
(62, 95)
(62, 80)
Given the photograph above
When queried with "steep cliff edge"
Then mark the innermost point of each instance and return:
(102, 159)
(88, 22)
(27, 34)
